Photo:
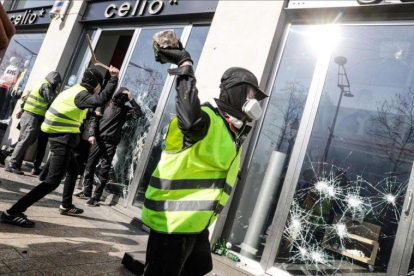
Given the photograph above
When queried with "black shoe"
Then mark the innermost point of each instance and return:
(19, 220)
(3, 157)
(82, 195)
(70, 211)
(93, 202)
(36, 171)
(11, 167)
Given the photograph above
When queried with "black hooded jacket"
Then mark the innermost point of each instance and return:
(48, 90)
(86, 99)
(108, 128)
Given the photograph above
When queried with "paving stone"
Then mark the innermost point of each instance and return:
(4, 269)
(35, 252)
(28, 264)
(62, 271)
(9, 254)
(26, 273)
(100, 268)
(85, 247)
(45, 232)
(82, 258)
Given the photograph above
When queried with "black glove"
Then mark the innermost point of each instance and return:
(174, 56)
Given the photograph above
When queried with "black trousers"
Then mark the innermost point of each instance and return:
(100, 151)
(60, 161)
(41, 149)
(178, 254)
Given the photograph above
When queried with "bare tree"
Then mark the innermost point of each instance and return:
(392, 127)
(287, 106)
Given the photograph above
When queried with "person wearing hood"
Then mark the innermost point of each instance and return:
(198, 168)
(105, 135)
(35, 107)
(62, 123)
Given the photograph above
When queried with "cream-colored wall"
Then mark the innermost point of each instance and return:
(241, 35)
(54, 55)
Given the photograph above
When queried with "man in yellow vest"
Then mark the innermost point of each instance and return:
(198, 168)
(35, 109)
(62, 122)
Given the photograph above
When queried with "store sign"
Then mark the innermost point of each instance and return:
(97, 11)
(296, 4)
(30, 17)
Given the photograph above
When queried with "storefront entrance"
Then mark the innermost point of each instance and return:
(152, 88)
(331, 177)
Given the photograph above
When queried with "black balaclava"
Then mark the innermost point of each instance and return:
(91, 78)
(232, 99)
(119, 98)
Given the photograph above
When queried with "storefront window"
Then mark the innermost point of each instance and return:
(194, 46)
(15, 69)
(250, 229)
(348, 202)
(27, 4)
(145, 79)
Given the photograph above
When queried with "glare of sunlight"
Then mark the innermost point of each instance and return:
(324, 37)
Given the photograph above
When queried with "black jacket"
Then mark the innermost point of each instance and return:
(108, 128)
(86, 99)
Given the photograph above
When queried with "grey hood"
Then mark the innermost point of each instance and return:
(54, 78)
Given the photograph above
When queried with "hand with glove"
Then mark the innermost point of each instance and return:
(169, 55)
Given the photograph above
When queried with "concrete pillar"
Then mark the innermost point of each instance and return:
(242, 34)
(54, 55)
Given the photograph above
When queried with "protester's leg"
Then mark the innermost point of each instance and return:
(167, 253)
(70, 182)
(45, 170)
(28, 134)
(41, 149)
(108, 153)
(199, 262)
(95, 154)
(59, 161)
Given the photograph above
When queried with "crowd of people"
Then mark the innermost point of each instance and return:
(194, 177)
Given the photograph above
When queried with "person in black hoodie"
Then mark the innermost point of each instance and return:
(63, 143)
(105, 135)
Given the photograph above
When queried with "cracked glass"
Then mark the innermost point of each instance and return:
(194, 47)
(348, 201)
(145, 79)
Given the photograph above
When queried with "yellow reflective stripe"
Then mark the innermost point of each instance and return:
(180, 205)
(201, 194)
(60, 115)
(181, 184)
(35, 105)
(39, 100)
(54, 123)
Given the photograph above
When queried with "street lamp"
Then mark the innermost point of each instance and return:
(345, 88)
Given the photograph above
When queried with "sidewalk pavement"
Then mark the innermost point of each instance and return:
(93, 243)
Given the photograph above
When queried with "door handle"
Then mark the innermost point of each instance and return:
(409, 202)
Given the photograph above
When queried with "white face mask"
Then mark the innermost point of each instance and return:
(97, 88)
(252, 109)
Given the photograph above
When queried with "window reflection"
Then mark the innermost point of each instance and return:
(194, 46)
(15, 69)
(348, 201)
(26, 4)
(251, 226)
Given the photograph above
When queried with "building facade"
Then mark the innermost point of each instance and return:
(326, 183)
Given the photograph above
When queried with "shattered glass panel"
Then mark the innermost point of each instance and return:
(250, 228)
(145, 79)
(194, 46)
(348, 201)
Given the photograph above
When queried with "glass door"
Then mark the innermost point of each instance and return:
(345, 207)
